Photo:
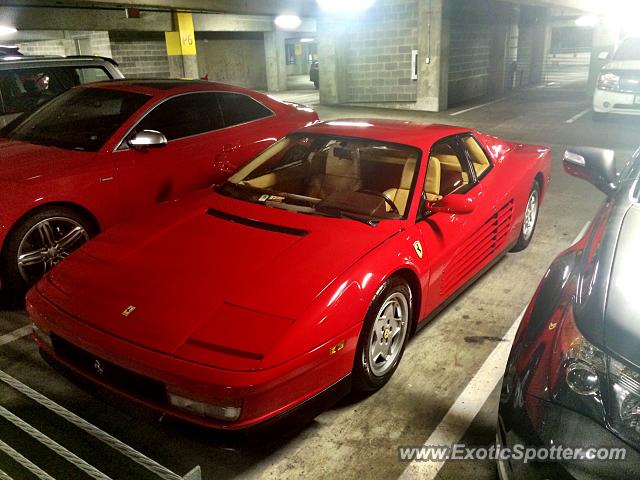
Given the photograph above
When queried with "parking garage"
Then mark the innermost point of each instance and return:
(522, 71)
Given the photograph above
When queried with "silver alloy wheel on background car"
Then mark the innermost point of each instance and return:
(388, 334)
(46, 244)
(531, 214)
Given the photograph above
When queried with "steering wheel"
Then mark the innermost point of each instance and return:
(382, 195)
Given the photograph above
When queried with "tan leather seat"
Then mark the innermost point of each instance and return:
(341, 175)
(432, 180)
(478, 157)
(400, 195)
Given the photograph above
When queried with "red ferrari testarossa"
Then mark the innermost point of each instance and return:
(309, 268)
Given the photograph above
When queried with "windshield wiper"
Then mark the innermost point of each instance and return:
(338, 213)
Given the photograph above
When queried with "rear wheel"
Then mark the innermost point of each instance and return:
(530, 219)
(384, 336)
(40, 242)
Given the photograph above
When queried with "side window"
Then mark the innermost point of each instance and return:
(447, 172)
(184, 115)
(478, 158)
(238, 108)
(24, 90)
(91, 74)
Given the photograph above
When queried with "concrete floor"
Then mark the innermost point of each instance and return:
(354, 439)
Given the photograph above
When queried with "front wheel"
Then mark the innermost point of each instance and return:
(39, 242)
(530, 219)
(384, 336)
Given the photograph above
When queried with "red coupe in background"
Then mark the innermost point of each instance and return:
(92, 158)
(310, 268)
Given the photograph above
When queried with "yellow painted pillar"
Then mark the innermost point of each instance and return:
(181, 47)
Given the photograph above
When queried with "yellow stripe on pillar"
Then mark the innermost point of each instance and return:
(187, 34)
(172, 39)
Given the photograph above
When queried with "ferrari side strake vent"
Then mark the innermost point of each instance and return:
(257, 224)
(489, 239)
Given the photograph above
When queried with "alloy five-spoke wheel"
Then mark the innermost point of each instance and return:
(384, 335)
(46, 244)
(38, 243)
(530, 219)
(388, 334)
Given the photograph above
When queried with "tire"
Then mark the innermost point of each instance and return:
(41, 234)
(529, 223)
(370, 371)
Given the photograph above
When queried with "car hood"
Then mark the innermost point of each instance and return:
(189, 264)
(21, 161)
(623, 65)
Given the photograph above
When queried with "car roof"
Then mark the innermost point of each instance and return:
(168, 87)
(420, 135)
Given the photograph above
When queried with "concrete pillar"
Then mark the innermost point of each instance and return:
(276, 62)
(504, 48)
(181, 47)
(541, 46)
(332, 42)
(433, 56)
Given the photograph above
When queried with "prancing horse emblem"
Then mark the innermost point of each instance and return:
(97, 366)
(418, 248)
(128, 311)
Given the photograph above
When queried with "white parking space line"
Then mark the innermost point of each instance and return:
(455, 114)
(578, 116)
(464, 410)
(25, 462)
(4, 476)
(53, 445)
(94, 431)
(15, 335)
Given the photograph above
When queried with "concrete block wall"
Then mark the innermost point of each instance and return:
(140, 54)
(378, 57)
(60, 47)
(469, 50)
(232, 57)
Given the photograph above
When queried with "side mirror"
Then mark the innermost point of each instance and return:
(603, 56)
(452, 203)
(147, 139)
(595, 165)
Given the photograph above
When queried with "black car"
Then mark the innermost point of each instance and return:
(573, 375)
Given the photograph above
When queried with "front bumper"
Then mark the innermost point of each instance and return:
(557, 425)
(263, 395)
(605, 101)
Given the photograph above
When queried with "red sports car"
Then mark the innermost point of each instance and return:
(309, 268)
(91, 158)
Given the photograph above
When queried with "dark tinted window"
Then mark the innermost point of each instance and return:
(238, 108)
(184, 115)
(81, 119)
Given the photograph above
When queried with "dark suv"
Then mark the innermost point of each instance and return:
(28, 82)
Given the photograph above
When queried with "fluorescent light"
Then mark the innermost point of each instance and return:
(587, 21)
(307, 40)
(7, 30)
(345, 5)
(288, 22)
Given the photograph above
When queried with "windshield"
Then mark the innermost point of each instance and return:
(354, 178)
(81, 119)
(629, 50)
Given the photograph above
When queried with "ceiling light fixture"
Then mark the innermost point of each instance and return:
(307, 40)
(7, 30)
(345, 6)
(288, 22)
(587, 21)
